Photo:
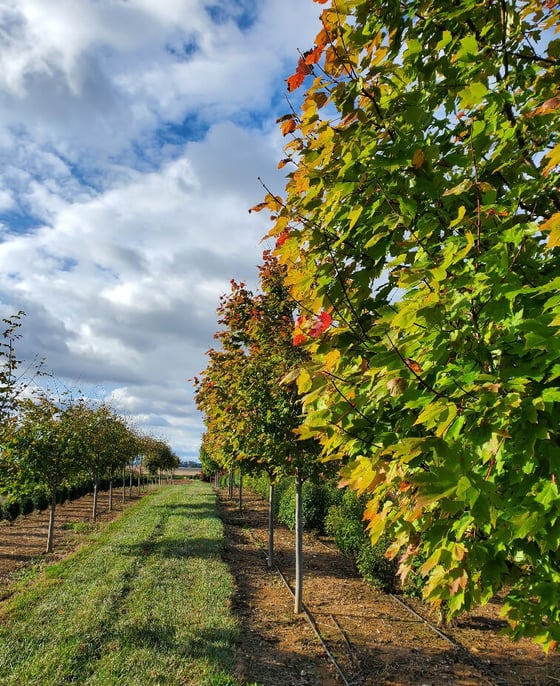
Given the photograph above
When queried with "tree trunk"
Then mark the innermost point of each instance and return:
(110, 494)
(298, 604)
(123, 485)
(270, 560)
(240, 491)
(130, 489)
(230, 485)
(50, 533)
(95, 489)
(138, 483)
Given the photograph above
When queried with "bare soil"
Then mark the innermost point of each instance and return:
(373, 637)
(23, 541)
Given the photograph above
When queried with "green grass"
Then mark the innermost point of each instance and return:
(147, 602)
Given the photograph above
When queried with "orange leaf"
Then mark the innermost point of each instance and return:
(313, 56)
(282, 238)
(295, 81)
(258, 208)
(299, 339)
(412, 365)
(321, 2)
(288, 126)
(418, 159)
(284, 162)
(548, 106)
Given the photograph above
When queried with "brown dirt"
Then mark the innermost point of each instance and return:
(23, 541)
(373, 637)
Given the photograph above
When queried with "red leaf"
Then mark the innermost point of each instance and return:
(321, 2)
(299, 339)
(282, 238)
(323, 322)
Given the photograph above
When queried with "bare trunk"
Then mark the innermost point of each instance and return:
(95, 489)
(240, 491)
(138, 483)
(298, 604)
(230, 485)
(110, 494)
(130, 489)
(50, 533)
(123, 485)
(271, 525)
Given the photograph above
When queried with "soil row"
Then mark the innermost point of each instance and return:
(375, 639)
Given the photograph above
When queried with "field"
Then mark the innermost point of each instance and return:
(160, 597)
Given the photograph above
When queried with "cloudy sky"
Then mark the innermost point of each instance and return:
(132, 133)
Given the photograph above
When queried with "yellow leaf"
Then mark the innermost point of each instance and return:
(460, 215)
(304, 381)
(553, 158)
(418, 159)
(332, 359)
(552, 225)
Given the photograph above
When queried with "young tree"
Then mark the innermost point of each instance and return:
(46, 447)
(251, 404)
(423, 215)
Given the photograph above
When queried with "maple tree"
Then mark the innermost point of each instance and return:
(250, 402)
(420, 234)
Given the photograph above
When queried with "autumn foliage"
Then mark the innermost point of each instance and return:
(419, 236)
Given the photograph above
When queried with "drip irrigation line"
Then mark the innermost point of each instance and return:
(307, 615)
(490, 678)
(474, 661)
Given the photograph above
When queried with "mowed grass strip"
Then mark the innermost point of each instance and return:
(147, 601)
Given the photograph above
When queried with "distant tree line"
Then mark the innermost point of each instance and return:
(53, 447)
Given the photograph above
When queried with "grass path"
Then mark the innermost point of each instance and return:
(146, 602)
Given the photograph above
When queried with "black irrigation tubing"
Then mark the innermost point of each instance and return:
(472, 659)
(487, 674)
(308, 616)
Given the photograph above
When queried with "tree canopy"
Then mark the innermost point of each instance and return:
(420, 233)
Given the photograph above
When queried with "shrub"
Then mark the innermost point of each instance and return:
(11, 509)
(40, 499)
(26, 505)
(61, 494)
(344, 522)
(314, 505)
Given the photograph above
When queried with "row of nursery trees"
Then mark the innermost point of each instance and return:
(418, 240)
(49, 443)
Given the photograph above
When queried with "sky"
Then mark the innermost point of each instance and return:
(132, 136)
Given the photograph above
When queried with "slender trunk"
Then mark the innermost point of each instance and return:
(298, 604)
(271, 525)
(130, 489)
(240, 491)
(95, 489)
(123, 485)
(230, 485)
(50, 533)
(138, 483)
(110, 494)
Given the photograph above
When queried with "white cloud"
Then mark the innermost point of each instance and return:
(128, 167)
